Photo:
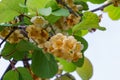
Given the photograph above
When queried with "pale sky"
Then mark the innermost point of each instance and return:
(103, 51)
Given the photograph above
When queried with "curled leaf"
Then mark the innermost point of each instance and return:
(86, 71)
(90, 20)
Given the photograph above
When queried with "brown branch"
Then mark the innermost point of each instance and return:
(101, 7)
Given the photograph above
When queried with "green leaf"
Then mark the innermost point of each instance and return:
(52, 18)
(24, 45)
(67, 66)
(43, 64)
(80, 62)
(90, 20)
(81, 33)
(19, 55)
(86, 71)
(24, 74)
(10, 51)
(45, 11)
(84, 32)
(69, 31)
(19, 73)
(95, 1)
(23, 7)
(53, 4)
(61, 12)
(113, 12)
(27, 21)
(83, 41)
(34, 5)
(8, 10)
(11, 75)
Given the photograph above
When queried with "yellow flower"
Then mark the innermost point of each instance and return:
(69, 43)
(4, 32)
(57, 40)
(72, 20)
(33, 31)
(64, 47)
(37, 34)
(38, 21)
(66, 23)
(15, 37)
(77, 56)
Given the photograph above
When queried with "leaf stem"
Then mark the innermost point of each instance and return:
(25, 62)
(25, 2)
(52, 29)
(26, 16)
(102, 7)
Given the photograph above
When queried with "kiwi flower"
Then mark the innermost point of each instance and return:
(66, 47)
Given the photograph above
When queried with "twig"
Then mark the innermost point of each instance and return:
(13, 62)
(70, 10)
(26, 16)
(25, 62)
(52, 29)
(102, 7)
(0, 56)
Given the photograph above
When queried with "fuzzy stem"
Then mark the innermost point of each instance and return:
(101, 7)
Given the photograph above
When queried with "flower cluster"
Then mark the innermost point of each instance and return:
(36, 32)
(71, 4)
(66, 23)
(64, 47)
(38, 21)
(15, 37)
(116, 3)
